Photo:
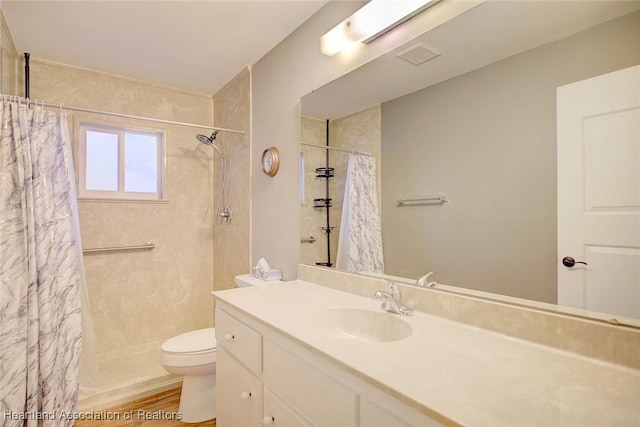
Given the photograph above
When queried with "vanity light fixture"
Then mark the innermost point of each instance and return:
(370, 22)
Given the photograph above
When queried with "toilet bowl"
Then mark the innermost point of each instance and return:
(193, 355)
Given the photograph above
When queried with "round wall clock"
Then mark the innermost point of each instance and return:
(270, 161)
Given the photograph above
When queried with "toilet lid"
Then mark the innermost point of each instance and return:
(190, 342)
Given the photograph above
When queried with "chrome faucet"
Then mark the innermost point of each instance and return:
(393, 301)
(423, 281)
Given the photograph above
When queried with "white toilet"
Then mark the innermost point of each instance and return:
(193, 355)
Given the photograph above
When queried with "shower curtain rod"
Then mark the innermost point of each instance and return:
(343, 150)
(27, 57)
(129, 116)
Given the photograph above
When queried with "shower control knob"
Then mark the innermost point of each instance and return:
(245, 395)
(229, 337)
(267, 421)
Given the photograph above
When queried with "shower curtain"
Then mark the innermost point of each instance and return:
(360, 240)
(41, 270)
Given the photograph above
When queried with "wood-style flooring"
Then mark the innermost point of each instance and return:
(159, 410)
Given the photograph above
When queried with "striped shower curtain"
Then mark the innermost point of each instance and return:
(360, 240)
(40, 269)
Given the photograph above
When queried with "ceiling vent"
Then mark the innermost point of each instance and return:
(417, 54)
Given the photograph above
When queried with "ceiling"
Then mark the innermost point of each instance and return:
(487, 33)
(196, 46)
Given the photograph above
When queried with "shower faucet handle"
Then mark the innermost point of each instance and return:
(225, 214)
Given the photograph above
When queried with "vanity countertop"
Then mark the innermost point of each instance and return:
(458, 373)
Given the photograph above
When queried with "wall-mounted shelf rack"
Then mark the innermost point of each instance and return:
(325, 172)
(322, 203)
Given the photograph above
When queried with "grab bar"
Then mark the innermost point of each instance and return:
(146, 246)
(309, 239)
(436, 200)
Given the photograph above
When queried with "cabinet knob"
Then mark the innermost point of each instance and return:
(267, 421)
(245, 395)
(229, 337)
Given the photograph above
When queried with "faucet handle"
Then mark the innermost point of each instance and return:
(392, 304)
(422, 281)
(395, 290)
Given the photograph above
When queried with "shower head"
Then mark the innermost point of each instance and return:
(208, 140)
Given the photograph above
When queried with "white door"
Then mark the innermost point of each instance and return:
(599, 193)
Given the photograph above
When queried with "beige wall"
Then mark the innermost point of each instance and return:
(292, 69)
(232, 240)
(487, 139)
(144, 296)
(8, 61)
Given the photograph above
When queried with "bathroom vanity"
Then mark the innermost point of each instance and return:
(264, 378)
(296, 354)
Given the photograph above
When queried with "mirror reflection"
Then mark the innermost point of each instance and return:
(473, 131)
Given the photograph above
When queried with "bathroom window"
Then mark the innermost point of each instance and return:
(120, 163)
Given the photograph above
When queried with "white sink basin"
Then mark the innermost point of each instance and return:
(361, 324)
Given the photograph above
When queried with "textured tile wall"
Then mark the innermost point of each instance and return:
(144, 296)
(232, 254)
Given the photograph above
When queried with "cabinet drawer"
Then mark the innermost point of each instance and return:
(239, 394)
(320, 398)
(239, 340)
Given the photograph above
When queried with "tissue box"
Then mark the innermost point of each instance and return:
(263, 271)
(267, 275)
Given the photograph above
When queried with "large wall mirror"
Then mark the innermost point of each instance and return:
(472, 129)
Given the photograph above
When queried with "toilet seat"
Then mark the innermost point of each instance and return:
(201, 340)
(191, 349)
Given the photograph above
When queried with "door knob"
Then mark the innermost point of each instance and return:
(570, 262)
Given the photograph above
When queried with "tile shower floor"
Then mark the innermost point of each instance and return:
(128, 374)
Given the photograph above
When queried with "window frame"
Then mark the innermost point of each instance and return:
(121, 130)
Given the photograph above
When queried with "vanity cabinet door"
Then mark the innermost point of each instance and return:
(313, 391)
(239, 393)
(279, 414)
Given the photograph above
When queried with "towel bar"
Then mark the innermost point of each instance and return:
(424, 200)
(147, 245)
